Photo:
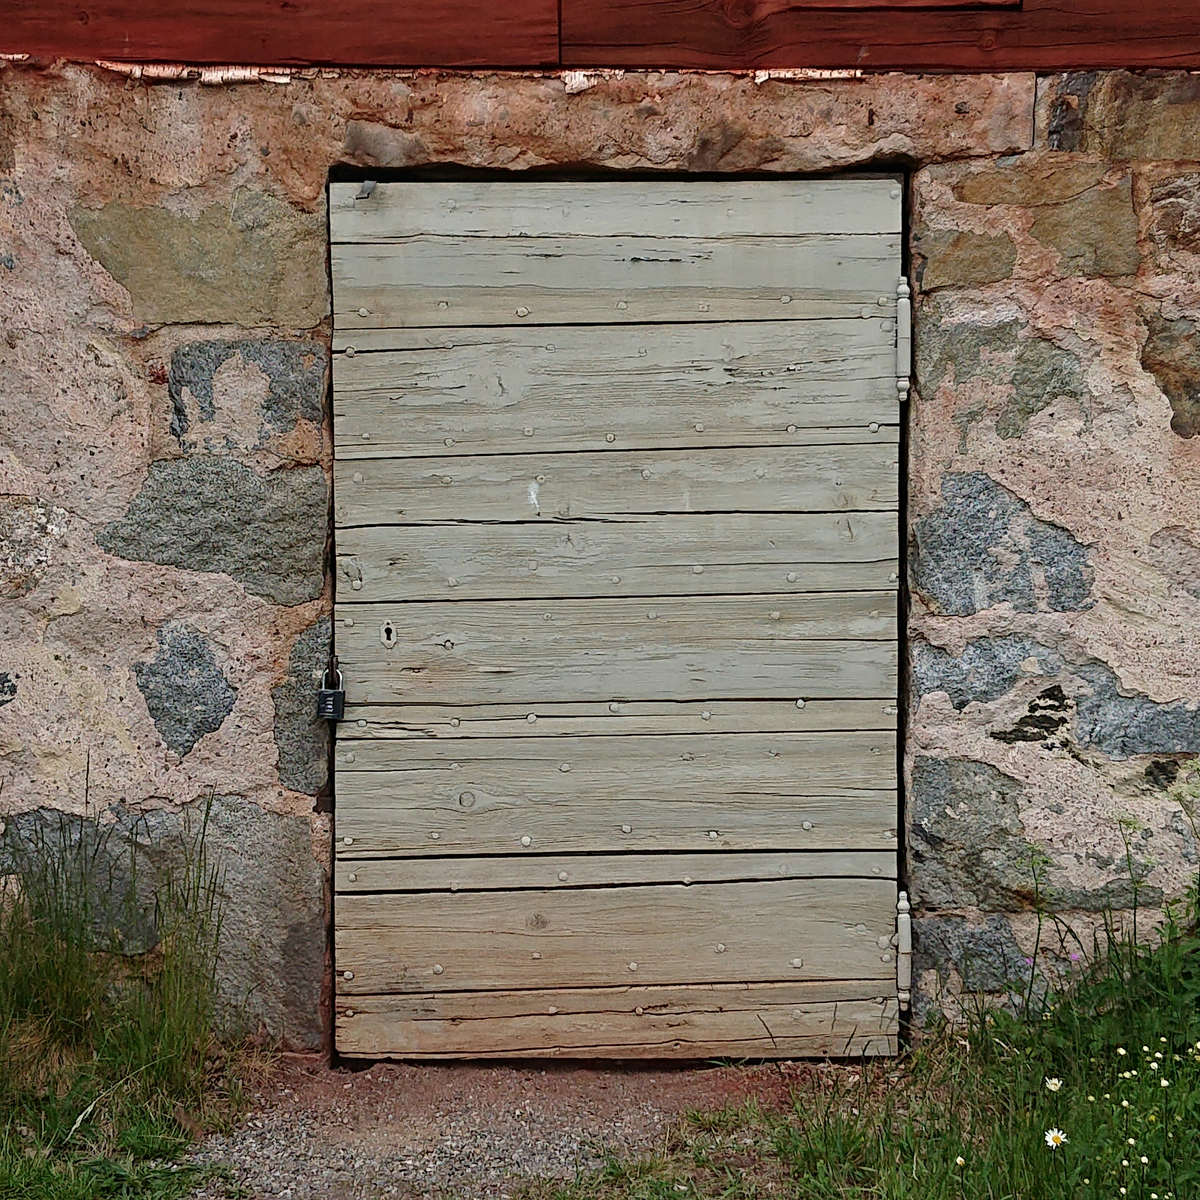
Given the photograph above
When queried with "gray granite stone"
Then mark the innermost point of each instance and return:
(986, 956)
(269, 889)
(1043, 373)
(984, 547)
(967, 846)
(185, 690)
(372, 144)
(295, 369)
(87, 870)
(956, 348)
(1182, 827)
(300, 736)
(1038, 371)
(211, 513)
(1066, 119)
(1124, 726)
(987, 669)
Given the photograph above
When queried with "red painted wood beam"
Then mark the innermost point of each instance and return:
(1045, 35)
(912, 35)
(446, 33)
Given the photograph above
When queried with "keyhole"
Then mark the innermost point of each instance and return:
(387, 634)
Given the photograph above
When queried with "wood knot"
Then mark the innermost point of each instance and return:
(741, 14)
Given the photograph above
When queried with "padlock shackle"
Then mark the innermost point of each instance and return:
(332, 669)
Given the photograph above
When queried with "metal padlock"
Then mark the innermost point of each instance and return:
(331, 701)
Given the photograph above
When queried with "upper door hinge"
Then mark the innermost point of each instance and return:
(903, 339)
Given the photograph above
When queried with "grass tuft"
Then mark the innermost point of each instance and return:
(109, 1062)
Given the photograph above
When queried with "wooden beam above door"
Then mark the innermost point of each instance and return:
(450, 33)
(1039, 35)
(915, 35)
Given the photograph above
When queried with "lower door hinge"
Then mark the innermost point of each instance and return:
(903, 940)
(903, 339)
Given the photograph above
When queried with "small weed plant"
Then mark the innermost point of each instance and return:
(1085, 1091)
(108, 1061)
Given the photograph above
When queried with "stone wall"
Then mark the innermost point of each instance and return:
(165, 454)
(1055, 517)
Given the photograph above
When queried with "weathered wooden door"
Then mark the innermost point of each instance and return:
(616, 520)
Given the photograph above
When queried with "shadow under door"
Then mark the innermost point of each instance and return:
(616, 513)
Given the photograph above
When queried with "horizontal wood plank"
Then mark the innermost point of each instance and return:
(422, 721)
(471, 391)
(816, 646)
(824, 791)
(602, 870)
(1042, 35)
(396, 212)
(788, 1020)
(382, 819)
(351, 32)
(914, 35)
(893, 5)
(679, 555)
(598, 486)
(446, 281)
(616, 767)
(829, 929)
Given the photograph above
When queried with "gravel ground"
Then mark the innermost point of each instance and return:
(404, 1131)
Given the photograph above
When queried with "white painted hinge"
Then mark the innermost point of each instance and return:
(903, 339)
(903, 941)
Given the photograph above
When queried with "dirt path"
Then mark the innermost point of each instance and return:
(405, 1131)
